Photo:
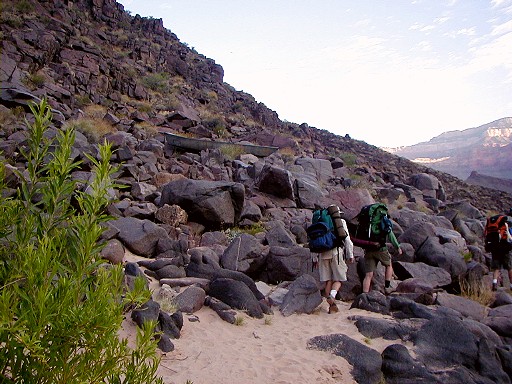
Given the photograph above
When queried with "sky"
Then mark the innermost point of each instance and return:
(389, 72)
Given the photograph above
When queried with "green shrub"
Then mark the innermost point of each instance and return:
(349, 158)
(60, 309)
(24, 6)
(157, 82)
(35, 80)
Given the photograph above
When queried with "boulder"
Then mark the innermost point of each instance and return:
(303, 296)
(286, 264)
(466, 307)
(366, 362)
(215, 204)
(447, 256)
(235, 294)
(276, 181)
(245, 254)
(203, 266)
(437, 277)
(190, 300)
(139, 236)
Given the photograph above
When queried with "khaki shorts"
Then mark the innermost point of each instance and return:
(372, 258)
(330, 269)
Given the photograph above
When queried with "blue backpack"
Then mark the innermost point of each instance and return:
(321, 236)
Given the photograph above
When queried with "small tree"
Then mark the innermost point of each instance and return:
(60, 309)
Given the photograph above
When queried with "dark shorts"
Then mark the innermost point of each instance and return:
(501, 260)
(372, 258)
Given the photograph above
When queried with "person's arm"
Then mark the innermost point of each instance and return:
(349, 246)
(395, 242)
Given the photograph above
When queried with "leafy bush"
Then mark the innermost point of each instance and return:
(349, 158)
(35, 80)
(157, 82)
(60, 308)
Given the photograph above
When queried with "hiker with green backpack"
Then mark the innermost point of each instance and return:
(373, 231)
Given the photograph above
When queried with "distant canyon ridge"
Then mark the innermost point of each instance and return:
(481, 155)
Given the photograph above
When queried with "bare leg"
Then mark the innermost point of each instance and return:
(388, 274)
(367, 281)
(327, 290)
(336, 285)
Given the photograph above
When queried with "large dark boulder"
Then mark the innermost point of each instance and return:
(445, 343)
(466, 307)
(500, 320)
(437, 277)
(206, 267)
(278, 235)
(399, 367)
(388, 329)
(366, 362)
(373, 301)
(303, 296)
(214, 204)
(245, 254)
(286, 264)
(447, 256)
(235, 294)
(276, 181)
(139, 236)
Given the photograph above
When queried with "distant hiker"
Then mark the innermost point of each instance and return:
(373, 231)
(331, 263)
(498, 241)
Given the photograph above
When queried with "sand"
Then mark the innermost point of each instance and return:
(268, 350)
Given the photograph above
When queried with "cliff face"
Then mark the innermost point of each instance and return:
(486, 149)
(91, 53)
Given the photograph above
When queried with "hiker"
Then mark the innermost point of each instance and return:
(332, 269)
(501, 257)
(373, 257)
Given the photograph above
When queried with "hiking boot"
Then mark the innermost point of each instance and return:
(494, 286)
(333, 308)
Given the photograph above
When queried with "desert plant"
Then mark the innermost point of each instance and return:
(95, 111)
(92, 128)
(24, 6)
(83, 100)
(36, 80)
(239, 321)
(60, 309)
(157, 82)
(231, 152)
(268, 320)
(476, 290)
(349, 158)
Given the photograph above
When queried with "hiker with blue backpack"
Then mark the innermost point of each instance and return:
(331, 246)
(374, 231)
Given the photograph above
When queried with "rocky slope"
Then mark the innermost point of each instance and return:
(486, 149)
(209, 225)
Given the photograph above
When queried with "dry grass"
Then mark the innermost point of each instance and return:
(95, 111)
(239, 321)
(92, 128)
(476, 290)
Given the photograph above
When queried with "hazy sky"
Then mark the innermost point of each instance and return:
(390, 72)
